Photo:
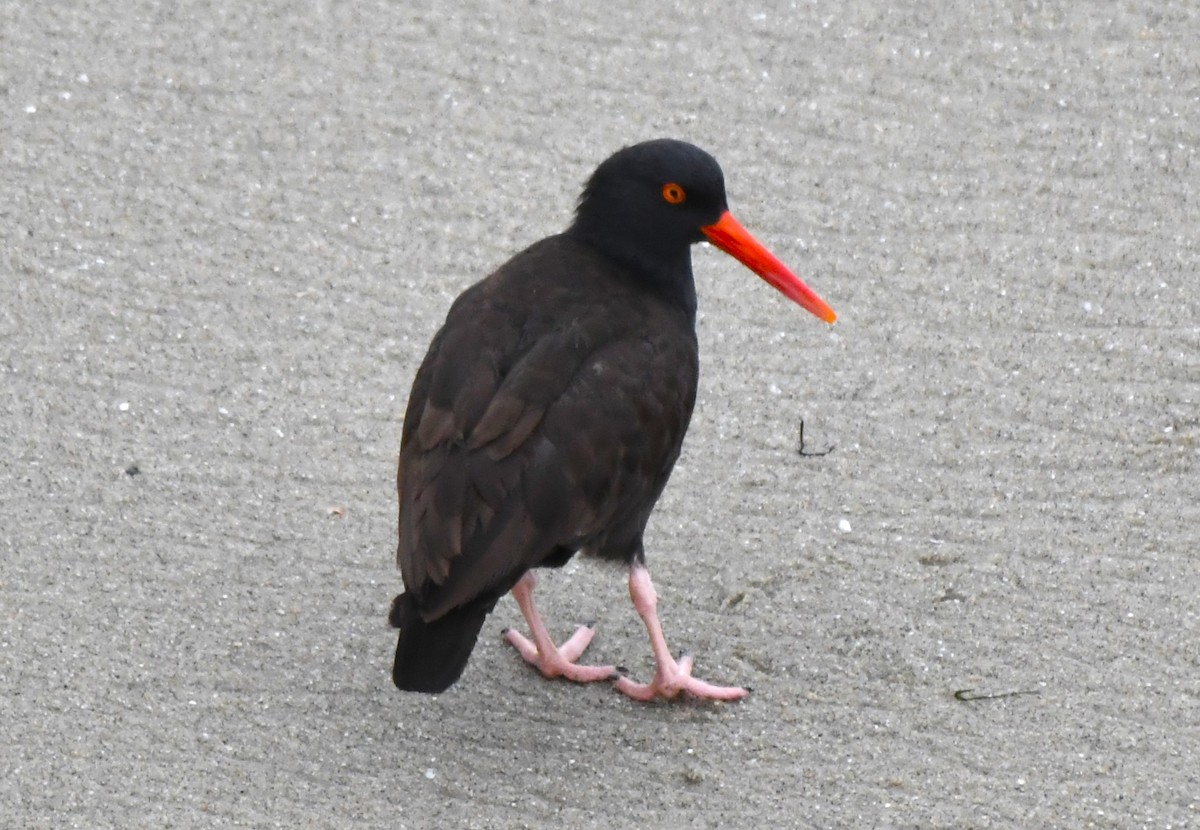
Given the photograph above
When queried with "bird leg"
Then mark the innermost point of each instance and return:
(540, 652)
(671, 678)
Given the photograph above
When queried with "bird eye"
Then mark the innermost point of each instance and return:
(673, 193)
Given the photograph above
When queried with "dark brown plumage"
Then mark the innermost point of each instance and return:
(550, 409)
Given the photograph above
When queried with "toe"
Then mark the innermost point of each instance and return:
(522, 644)
(573, 648)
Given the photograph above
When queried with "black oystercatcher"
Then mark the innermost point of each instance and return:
(549, 412)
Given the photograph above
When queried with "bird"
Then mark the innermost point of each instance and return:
(548, 413)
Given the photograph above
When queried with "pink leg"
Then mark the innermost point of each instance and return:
(552, 661)
(670, 678)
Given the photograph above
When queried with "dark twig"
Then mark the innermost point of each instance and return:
(807, 453)
(966, 695)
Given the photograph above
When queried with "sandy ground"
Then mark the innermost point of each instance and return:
(229, 231)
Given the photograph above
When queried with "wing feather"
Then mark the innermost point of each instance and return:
(497, 471)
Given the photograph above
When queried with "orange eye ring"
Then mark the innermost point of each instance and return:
(673, 193)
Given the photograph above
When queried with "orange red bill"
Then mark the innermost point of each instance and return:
(728, 234)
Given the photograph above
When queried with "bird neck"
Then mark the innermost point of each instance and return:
(665, 273)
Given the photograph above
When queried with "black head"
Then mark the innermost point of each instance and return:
(645, 206)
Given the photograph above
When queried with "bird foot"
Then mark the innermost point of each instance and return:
(671, 679)
(559, 661)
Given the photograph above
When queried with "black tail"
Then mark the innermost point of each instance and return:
(431, 656)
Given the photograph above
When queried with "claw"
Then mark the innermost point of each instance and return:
(541, 653)
(672, 678)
